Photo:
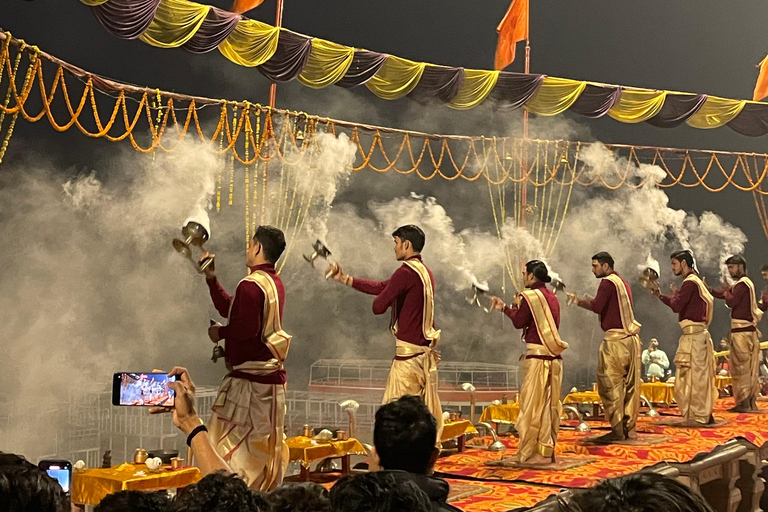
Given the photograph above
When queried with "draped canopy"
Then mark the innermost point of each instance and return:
(282, 55)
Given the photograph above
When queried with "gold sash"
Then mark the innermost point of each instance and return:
(757, 314)
(707, 297)
(428, 317)
(631, 326)
(545, 322)
(277, 340)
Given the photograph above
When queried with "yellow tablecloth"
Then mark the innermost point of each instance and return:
(90, 486)
(307, 450)
(723, 382)
(658, 392)
(582, 397)
(504, 413)
(457, 428)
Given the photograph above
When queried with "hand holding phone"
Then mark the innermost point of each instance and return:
(184, 414)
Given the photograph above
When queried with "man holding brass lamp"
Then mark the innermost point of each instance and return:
(247, 424)
(410, 293)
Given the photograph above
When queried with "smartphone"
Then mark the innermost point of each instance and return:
(59, 470)
(142, 389)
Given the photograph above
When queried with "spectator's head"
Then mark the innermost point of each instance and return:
(267, 246)
(135, 501)
(300, 497)
(640, 492)
(764, 271)
(26, 488)
(380, 491)
(218, 492)
(409, 241)
(404, 435)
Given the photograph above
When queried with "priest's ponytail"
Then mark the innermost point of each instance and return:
(539, 270)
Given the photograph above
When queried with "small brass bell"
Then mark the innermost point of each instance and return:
(218, 353)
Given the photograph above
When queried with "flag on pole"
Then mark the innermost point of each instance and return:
(241, 6)
(761, 87)
(513, 28)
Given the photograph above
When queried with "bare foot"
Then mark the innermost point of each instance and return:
(608, 438)
(537, 460)
(632, 434)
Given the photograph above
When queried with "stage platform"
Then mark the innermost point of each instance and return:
(723, 463)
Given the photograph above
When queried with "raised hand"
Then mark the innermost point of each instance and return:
(673, 288)
(497, 304)
(210, 270)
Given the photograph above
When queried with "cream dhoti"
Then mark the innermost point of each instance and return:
(247, 427)
(695, 390)
(414, 372)
(618, 379)
(540, 409)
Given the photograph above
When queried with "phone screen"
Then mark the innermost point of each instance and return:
(142, 389)
(61, 471)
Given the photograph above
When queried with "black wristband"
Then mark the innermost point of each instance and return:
(197, 430)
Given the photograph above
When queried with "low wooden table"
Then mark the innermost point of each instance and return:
(90, 486)
(457, 430)
(307, 451)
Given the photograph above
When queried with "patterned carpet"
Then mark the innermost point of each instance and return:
(511, 485)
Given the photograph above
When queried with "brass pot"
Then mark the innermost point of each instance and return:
(140, 456)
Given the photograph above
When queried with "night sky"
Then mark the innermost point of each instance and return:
(704, 46)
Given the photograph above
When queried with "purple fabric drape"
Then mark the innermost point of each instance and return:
(364, 65)
(752, 121)
(289, 59)
(216, 27)
(596, 100)
(514, 89)
(126, 19)
(438, 83)
(677, 109)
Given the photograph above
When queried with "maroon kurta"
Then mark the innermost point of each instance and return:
(739, 299)
(243, 332)
(405, 292)
(522, 316)
(687, 303)
(606, 304)
(763, 304)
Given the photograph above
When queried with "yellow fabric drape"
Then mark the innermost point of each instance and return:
(175, 22)
(636, 106)
(90, 486)
(327, 63)
(476, 86)
(396, 78)
(555, 96)
(252, 43)
(93, 3)
(715, 112)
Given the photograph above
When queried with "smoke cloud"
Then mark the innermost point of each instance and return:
(91, 285)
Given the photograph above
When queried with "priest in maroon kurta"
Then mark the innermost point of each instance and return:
(619, 365)
(695, 390)
(537, 312)
(744, 358)
(248, 421)
(410, 296)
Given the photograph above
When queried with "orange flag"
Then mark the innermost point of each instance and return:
(513, 28)
(761, 87)
(241, 6)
